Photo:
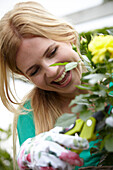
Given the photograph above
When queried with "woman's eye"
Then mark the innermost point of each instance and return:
(34, 72)
(53, 52)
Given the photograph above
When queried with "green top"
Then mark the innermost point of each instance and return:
(25, 125)
(26, 129)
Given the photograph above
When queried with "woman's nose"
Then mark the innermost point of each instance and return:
(51, 71)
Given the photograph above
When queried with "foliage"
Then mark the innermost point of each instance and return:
(97, 80)
(99, 50)
(6, 162)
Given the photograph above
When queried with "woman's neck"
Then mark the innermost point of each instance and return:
(66, 99)
(69, 97)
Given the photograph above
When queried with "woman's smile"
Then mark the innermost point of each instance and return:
(63, 80)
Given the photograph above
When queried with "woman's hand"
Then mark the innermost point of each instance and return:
(50, 151)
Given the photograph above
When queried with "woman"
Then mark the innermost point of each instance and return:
(31, 40)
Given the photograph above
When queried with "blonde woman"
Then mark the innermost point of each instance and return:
(32, 39)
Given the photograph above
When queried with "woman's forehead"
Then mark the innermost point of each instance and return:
(33, 47)
(35, 41)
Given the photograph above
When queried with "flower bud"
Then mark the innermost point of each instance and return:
(83, 40)
(74, 47)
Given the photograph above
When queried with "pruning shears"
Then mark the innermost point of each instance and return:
(87, 129)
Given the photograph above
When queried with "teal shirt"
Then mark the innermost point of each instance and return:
(26, 129)
(25, 125)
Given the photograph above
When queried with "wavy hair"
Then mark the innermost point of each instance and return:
(25, 20)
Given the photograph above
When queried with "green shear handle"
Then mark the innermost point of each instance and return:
(87, 129)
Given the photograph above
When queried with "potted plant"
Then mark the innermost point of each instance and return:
(97, 82)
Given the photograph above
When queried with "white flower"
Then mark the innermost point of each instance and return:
(109, 121)
(70, 66)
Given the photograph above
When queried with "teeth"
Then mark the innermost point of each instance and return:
(60, 78)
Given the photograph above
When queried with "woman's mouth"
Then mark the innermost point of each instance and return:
(63, 80)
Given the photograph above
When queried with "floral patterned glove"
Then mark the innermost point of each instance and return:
(48, 151)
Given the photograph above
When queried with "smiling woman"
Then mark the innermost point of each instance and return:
(31, 40)
(34, 58)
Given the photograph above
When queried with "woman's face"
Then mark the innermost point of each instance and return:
(35, 57)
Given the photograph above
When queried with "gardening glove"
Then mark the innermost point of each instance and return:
(50, 151)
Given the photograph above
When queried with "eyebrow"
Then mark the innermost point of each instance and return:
(45, 53)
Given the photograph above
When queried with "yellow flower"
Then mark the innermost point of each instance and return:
(99, 45)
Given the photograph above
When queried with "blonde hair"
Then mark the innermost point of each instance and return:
(29, 19)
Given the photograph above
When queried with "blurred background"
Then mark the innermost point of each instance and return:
(84, 15)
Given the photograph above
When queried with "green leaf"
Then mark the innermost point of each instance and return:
(100, 93)
(59, 64)
(94, 78)
(89, 56)
(68, 65)
(110, 99)
(110, 31)
(6, 162)
(86, 114)
(99, 104)
(107, 81)
(65, 120)
(7, 133)
(78, 108)
(84, 87)
(109, 144)
(80, 100)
